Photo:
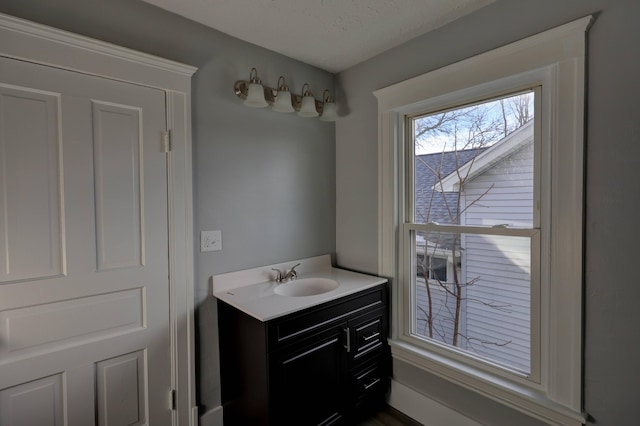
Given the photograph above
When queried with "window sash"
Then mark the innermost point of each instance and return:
(406, 278)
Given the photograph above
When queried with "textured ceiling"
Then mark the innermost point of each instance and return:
(330, 34)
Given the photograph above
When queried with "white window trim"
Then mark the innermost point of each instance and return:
(556, 59)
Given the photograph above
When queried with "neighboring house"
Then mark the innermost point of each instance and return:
(435, 205)
(432, 204)
(497, 190)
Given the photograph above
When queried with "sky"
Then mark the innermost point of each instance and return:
(474, 125)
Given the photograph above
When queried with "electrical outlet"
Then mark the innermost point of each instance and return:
(210, 241)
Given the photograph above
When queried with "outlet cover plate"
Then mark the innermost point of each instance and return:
(210, 240)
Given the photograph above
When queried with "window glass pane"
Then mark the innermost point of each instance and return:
(474, 165)
(473, 292)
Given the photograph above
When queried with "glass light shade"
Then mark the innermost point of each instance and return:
(283, 102)
(308, 107)
(255, 96)
(329, 112)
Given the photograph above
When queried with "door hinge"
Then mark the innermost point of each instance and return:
(166, 141)
(172, 399)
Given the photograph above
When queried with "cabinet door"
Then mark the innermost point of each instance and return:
(308, 380)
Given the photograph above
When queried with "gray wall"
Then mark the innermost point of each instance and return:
(267, 180)
(612, 184)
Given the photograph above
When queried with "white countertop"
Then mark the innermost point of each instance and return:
(260, 301)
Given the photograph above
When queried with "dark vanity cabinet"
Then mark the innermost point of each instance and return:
(324, 365)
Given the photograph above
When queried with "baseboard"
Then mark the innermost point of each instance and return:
(212, 417)
(402, 398)
(423, 409)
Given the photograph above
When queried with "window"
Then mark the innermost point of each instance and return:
(431, 267)
(480, 231)
(471, 170)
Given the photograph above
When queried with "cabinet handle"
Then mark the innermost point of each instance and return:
(371, 336)
(373, 383)
(348, 338)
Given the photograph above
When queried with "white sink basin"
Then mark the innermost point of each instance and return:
(306, 287)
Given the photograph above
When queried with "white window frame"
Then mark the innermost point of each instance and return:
(448, 263)
(555, 61)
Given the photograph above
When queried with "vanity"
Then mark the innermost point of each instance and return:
(316, 359)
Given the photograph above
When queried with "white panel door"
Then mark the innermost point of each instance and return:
(84, 287)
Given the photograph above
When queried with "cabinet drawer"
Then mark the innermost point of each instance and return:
(371, 381)
(367, 333)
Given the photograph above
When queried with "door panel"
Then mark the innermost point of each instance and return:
(74, 321)
(84, 291)
(120, 389)
(35, 403)
(30, 156)
(118, 187)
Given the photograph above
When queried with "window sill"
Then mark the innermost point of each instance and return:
(514, 395)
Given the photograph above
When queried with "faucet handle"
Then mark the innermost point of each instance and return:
(293, 274)
(279, 274)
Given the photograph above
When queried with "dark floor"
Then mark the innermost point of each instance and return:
(389, 416)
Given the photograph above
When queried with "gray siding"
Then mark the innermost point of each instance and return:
(498, 303)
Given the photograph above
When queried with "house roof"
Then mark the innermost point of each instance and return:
(488, 158)
(433, 205)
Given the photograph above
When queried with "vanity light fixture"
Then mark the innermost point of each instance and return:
(255, 94)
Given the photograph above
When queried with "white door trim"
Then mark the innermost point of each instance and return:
(21, 39)
(24, 40)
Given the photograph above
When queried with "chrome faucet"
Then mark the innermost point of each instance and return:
(282, 276)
